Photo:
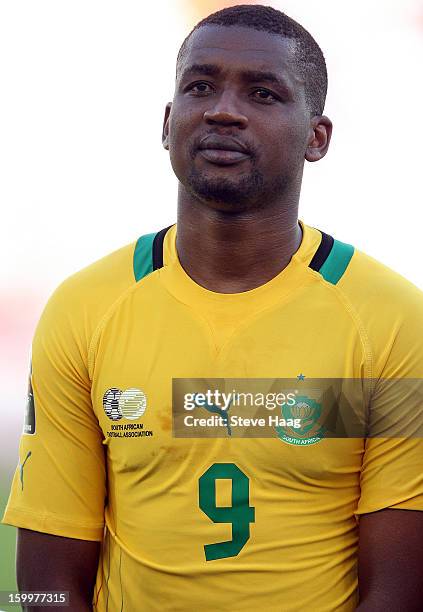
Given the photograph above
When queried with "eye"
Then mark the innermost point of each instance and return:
(264, 95)
(200, 88)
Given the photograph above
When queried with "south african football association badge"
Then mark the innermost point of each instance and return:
(306, 412)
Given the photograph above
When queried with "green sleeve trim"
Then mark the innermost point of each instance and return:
(337, 261)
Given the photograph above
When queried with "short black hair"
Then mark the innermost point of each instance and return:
(309, 57)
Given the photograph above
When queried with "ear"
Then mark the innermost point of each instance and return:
(319, 138)
(165, 133)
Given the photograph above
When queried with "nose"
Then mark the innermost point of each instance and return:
(225, 112)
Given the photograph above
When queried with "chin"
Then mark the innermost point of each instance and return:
(227, 194)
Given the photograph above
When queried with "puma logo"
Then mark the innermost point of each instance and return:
(22, 465)
(221, 412)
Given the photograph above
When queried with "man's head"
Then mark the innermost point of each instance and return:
(247, 110)
(309, 58)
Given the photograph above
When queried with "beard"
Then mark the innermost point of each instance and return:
(245, 192)
(237, 193)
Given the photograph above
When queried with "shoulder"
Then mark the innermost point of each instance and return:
(372, 281)
(94, 288)
(78, 304)
(377, 291)
(387, 309)
(361, 278)
(390, 309)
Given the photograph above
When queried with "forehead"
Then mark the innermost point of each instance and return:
(235, 48)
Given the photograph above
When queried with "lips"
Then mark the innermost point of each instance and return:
(223, 150)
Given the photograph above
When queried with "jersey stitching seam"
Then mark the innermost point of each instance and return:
(347, 304)
(240, 326)
(108, 314)
(58, 517)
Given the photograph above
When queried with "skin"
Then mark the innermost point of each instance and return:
(47, 562)
(390, 561)
(238, 228)
(239, 236)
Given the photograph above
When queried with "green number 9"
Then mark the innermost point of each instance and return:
(240, 514)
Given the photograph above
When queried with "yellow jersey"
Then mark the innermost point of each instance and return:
(213, 523)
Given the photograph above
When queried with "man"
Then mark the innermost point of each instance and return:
(238, 288)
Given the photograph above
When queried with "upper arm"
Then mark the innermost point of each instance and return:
(390, 509)
(59, 484)
(47, 562)
(390, 560)
(392, 469)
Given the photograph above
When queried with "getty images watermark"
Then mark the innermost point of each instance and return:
(298, 412)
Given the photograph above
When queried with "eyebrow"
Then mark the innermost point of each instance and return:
(246, 75)
(207, 69)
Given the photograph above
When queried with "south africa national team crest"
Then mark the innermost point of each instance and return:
(128, 404)
(311, 431)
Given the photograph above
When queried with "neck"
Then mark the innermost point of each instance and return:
(235, 252)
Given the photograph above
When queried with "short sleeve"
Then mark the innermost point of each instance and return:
(392, 469)
(59, 483)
